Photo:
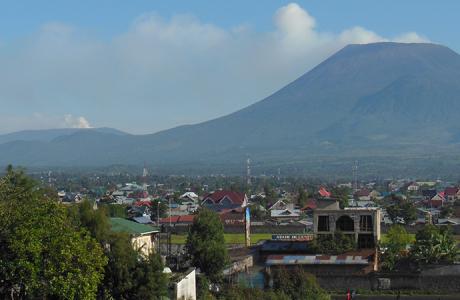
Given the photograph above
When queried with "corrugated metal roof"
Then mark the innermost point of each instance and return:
(316, 260)
(123, 225)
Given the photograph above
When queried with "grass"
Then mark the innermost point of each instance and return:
(412, 236)
(238, 238)
(230, 238)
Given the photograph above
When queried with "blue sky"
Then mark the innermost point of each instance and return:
(143, 66)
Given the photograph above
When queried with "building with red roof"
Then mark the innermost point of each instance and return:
(324, 193)
(178, 220)
(451, 193)
(226, 199)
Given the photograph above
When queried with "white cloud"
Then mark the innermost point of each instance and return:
(411, 37)
(359, 35)
(161, 72)
(75, 122)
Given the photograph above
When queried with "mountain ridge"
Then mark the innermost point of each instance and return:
(373, 97)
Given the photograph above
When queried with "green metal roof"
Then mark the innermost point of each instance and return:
(123, 225)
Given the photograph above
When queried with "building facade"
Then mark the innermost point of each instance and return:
(362, 224)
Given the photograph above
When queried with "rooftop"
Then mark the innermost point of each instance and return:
(123, 225)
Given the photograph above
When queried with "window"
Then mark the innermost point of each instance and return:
(365, 223)
(345, 223)
(323, 223)
(366, 241)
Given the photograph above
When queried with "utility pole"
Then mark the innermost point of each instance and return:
(248, 171)
(355, 176)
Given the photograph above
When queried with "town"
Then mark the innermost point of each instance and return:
(341, 232)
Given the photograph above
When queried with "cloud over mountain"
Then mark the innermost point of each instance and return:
(160, 72)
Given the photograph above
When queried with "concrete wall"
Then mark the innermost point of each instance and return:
(254, 229)
(144, 243)
(185, 288)
(441, 284)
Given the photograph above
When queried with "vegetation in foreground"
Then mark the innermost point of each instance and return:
(49, 251)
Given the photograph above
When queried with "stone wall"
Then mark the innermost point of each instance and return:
(442, 284)
(254, 229)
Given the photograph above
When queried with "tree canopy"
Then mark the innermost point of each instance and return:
(206, 245)
(42, 253)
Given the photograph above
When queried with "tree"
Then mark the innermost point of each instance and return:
(401, 208)
(206, 245)
(334, 244)
(297, 284)
(42, 253)
(397, 241)
(341, 194)
(270, 195)
(434, 245)
(302, 197)
(150, 280)
(128, 275)
(446, 211)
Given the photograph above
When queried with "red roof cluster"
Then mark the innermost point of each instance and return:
(143, 203)
(324, 193)
(311, 204)
(138, 195)
(451, 191)
(216, 197)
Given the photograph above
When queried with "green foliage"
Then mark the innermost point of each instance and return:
(161, 210)
(151, 282)
(202, 286)
(115, 210)
(333, 244)
(42, 253)
(446, 211)
(401, 208)
(257, 213)
(270, 195)
(394, 248)
(302, 197)
(206, 244)
(246, 293)
(434, 245)
(128, 275)
(341, 194)
(297, 284)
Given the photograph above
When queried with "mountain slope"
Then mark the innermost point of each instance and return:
(47, 135)
(364, 100)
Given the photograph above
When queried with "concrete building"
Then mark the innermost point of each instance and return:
(184, 285)
(143, 237)
(361, 223)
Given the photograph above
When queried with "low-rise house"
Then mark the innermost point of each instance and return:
(225, 199)
(178, 220)
(413, 187)
(363, 195)
(280, 204)
(437, 201)
(451, 194)
(189, 196)
(143, 237)
(285, 214)
(311, 205)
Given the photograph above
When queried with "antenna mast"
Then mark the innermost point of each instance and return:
(248, 171)
(355, 176)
